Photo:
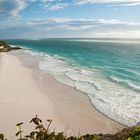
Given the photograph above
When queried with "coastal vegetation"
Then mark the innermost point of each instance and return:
(43, 132)
(4, 47)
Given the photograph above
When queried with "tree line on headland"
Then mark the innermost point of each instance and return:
(4, 47)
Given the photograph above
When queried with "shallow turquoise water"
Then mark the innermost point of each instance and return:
(120, 60)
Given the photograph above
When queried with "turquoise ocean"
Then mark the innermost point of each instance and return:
(106, 70)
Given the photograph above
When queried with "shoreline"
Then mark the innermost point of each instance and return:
(68, 106)
(46, 75)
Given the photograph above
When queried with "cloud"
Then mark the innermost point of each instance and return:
(61, 4)
(76, 24)
(11, 7)
(13, 26)
(117, 34)
(54, 4)
(58, 6)
(114, 2)
(65, 27)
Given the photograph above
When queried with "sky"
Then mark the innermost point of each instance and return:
(34, 19)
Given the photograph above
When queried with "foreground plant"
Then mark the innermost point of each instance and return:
(43, 132)
(134, 134)
(2, 137)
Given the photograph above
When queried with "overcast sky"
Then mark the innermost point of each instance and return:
(33, 19)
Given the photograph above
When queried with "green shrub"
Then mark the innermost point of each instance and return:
(134, 134)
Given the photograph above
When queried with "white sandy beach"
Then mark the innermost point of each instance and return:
(25, 93)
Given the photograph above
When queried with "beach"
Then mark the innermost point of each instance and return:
(25, 91)
(72, 65)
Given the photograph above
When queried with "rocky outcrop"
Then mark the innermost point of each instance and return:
(4, 47)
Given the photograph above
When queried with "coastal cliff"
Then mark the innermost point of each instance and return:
(4, 47)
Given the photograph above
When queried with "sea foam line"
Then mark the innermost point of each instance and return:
(126, 82)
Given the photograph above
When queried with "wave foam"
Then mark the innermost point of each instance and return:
(127, 83)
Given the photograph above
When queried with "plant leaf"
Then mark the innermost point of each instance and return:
(19, 124)
(19, 132)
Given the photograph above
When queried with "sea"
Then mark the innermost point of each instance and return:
(106, 70)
